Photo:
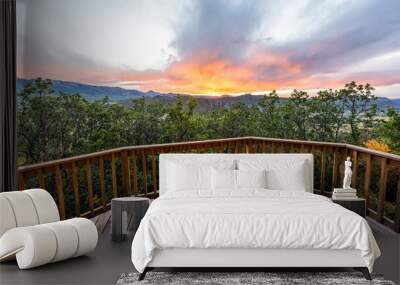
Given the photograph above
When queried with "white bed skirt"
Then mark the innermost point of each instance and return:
(190, 257)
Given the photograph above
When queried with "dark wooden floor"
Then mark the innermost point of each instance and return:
(110, 259)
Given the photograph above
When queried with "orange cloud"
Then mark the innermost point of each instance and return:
(205, 74)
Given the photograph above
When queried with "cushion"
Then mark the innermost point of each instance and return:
(23, 208)
(280, 175)
(45, 206)
(223, 179)
(251, 178)
(292, 179)
(67, 240)
(26, 208)
(7, 218)
(183, 177)
(87, 235)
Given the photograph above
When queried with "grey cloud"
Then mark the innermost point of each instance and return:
(222, 27)
(355, 36)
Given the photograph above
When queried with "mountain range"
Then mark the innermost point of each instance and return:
(124, 96)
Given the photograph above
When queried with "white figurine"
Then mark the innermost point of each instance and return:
(347, 174)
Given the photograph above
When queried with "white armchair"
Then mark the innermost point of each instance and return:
(31, 230)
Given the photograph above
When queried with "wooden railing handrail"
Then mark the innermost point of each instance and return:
(52, 163)
(334, 144)
(374, 152)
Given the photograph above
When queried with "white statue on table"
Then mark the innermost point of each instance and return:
(347, 174)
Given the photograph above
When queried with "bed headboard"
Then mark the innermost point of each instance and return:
(217, 158)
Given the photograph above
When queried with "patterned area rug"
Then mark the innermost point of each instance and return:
(229, 278)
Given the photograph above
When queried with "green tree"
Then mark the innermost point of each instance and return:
(362, 110)
(179, 124)
(327, 115)
(297, 115)
(389, 130)
(40, 117)
(270, 121)
(144, 122)
(236, 121)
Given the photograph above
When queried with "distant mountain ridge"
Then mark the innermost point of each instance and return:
(90, 92)
(124, 96)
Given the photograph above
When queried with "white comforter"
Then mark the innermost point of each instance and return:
(250, 219)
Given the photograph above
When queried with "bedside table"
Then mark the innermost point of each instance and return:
(356, 205)
(135, 206)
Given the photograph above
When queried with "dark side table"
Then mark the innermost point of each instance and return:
(357, 205)
(135, 206)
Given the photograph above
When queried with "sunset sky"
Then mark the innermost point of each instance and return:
(210, 46)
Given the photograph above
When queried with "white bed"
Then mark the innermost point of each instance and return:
(226, 226)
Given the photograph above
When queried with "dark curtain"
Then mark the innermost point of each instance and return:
(8, 152)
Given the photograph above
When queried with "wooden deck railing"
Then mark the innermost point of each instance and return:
(84, 185)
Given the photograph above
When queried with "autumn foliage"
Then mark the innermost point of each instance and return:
(377, 145)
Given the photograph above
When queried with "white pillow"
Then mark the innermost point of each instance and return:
(251, 178)
(223, 179)
(182, 177)
(280, 174)
(291, 179)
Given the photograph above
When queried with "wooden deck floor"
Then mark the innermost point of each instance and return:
(110, 259)
(103, 222)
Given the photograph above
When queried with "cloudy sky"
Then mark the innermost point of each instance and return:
(210, 46)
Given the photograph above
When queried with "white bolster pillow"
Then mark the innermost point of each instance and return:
(45, 206)
(87, 235)
(37, 245)
(7, 217)
(32, 246)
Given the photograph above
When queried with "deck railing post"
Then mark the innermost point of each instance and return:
(60, 193)
(144, 172)
(75, 188)
(154, 172)
(335, 167)
(89, 179)
(382, 189)
(341, 157)
(264, 147)
(355, 169)
(102, 183)
(135, 173)
(397, 214)
(21, 181)
(282, 147)
(367, 178)
(323, 170)
(114, 176)
(237, 145)
(126, 176)
(41, 179)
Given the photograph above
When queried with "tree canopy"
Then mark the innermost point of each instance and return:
(57, 125)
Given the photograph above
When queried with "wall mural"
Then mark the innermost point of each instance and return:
(96, 75)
